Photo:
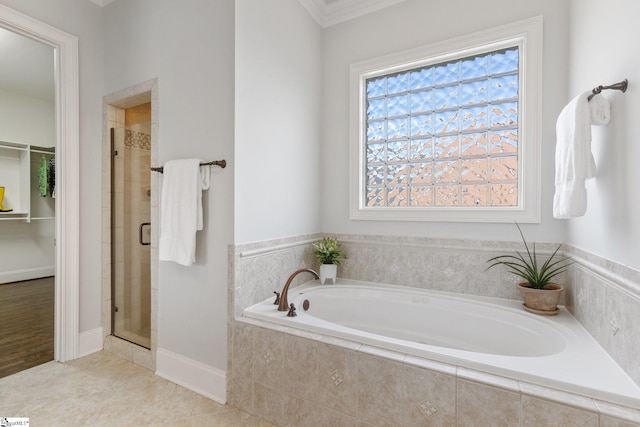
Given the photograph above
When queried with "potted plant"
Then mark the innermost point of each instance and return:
(329, 254)
(540, 295)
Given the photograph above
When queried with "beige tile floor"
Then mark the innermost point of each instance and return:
(103, 389)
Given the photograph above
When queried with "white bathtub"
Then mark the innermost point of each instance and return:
(486, 334)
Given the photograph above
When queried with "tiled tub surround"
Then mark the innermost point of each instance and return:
(293, 378)
(488, 334)
(387, 388)
(605, 298)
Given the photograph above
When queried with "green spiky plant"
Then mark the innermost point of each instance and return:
(528, 268)
(328, 251)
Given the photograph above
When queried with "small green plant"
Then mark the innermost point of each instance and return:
(328, 251)
(528, 268)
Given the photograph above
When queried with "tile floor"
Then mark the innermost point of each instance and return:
(103, 389)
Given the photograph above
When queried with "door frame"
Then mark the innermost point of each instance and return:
(67, 307)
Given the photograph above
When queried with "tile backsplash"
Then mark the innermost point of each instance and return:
(450, 265)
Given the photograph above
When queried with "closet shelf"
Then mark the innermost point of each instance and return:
(19, 175)
(4, 216)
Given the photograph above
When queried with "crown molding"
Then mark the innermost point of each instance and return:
(343, 10)
(102, 3)
(316, 9)
(328, 14)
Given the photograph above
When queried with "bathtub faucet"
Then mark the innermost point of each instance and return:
(284, 304)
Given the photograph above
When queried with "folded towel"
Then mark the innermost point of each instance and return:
(181, 209)
(574, 160)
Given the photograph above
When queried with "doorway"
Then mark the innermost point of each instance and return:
(129, 187)
(131, 226)
(67, 173)
(27, 202)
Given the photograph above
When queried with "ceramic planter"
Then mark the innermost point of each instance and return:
(328, 271)
(541, 301)
(3, 209)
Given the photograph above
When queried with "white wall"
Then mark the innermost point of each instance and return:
(26, 249)
(26, 119)
(278, 104)
(83, 19)
(188, 46)
(415, 23)
(603, 51)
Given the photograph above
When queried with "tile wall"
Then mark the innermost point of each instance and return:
(605, 297)
(135, 157)
(294, 378)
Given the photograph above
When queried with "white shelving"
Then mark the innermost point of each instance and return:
(19, 165)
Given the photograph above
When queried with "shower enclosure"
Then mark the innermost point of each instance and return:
(131, 227)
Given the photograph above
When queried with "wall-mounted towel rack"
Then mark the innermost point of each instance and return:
(221, 163)
(617, 86)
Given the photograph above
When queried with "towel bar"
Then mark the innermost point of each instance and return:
(617, 86)
(221, 163)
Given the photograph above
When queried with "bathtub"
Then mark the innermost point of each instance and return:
(485, 334)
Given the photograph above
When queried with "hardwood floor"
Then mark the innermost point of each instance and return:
(26, 324)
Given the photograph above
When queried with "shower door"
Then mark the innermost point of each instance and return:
(131, 233)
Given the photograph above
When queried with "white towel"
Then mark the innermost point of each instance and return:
(181, 209)
(600, 110)
(574, 160)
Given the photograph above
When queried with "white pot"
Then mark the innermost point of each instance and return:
(328, 271)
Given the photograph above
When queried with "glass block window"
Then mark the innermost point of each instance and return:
(449, 131)
(444, 134)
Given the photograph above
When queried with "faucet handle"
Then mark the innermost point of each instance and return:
(292, 311)
(277, 301)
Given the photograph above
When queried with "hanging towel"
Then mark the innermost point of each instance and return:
(51, 177)
(600, 110)
(574, 160)
(181, 209)
(42, 177)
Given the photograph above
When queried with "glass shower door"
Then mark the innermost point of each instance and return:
(131, 233)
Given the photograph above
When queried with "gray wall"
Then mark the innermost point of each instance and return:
(278, 104)
(189, 47)
(611, 226)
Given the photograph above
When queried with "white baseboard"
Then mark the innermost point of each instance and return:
(27, 274)
(203, 379)
(90, 342)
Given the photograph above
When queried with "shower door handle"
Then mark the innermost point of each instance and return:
(142, 242)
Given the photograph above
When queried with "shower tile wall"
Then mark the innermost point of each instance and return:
(132, 208)
(603, 296)
(137, 159)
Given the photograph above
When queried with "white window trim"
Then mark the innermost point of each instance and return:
(527, 34)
